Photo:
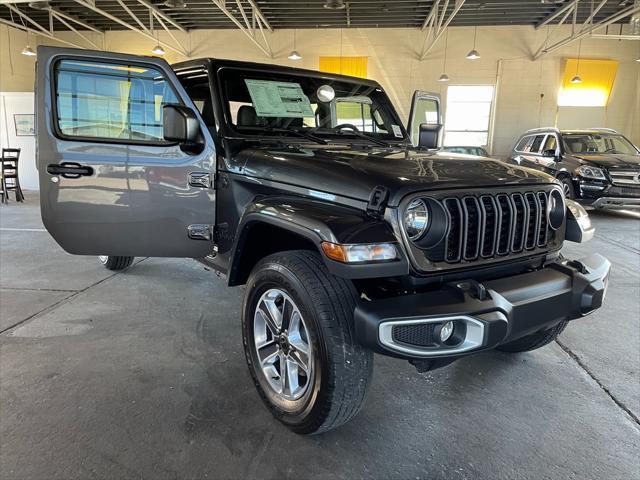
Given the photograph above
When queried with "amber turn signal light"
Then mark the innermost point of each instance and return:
(360, 253)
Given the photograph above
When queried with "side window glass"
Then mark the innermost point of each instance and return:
(536, 144)
(111, 101)
(522, 144)
(550, 143)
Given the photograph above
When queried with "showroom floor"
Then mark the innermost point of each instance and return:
(141, 374)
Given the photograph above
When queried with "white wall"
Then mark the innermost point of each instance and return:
(15, 103)
(526, 94)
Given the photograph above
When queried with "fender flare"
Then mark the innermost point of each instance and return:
(318, 221)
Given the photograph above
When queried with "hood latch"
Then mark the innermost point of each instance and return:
(378, 201)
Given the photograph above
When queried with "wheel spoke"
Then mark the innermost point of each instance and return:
(287, 311)
(283, 373)
(301, 359)
(267, 315)
(292, 377)
(268, 353)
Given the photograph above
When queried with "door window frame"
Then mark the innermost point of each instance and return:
(104, 140)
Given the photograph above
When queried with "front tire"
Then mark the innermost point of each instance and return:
(299, 341)
(567, 187)
(115, 263)
(534, 340)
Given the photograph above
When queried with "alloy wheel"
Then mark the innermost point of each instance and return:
(282, 343)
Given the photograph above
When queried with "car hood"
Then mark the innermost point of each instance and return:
(611, 160)
(353, 172)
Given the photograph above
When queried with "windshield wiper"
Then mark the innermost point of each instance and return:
(299, 133)
(360, 134)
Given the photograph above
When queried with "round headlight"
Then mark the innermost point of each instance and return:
(556, 209)
(416, 219)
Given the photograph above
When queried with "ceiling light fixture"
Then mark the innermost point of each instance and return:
(474, 54)
(577, 78)
(334, 4)
(158, 50)
(444, 77)
(28, 51)
(294, 55)
(175, 4)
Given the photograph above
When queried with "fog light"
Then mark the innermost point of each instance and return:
(446, 330)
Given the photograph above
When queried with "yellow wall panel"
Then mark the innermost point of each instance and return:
(352, 66)
(597, 82)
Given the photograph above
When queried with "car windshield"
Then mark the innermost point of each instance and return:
(598, 143)
(320, 109)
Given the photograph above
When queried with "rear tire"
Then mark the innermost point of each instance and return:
(534, 340)
(115, 263)
(339, 369)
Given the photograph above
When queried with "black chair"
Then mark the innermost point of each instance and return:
(9, 174)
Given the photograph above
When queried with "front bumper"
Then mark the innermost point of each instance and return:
(614, 203)
(485, 315)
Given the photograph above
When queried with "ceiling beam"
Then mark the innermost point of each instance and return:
(559, 11)
(159, 13)
(441, 27)
(117, 20)
(432, 12)
(249, 33)
(258, 13)
(33, 31)
(59, 13)
(74, 30)
(586, 29)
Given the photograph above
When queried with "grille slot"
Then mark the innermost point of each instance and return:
(420, 335)
(486, 226)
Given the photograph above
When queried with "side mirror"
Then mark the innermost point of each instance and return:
(428, 135)
(549, 153)
(180, 124)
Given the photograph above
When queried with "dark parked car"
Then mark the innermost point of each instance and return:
(599, 168)
(477, 151)
(305, 187)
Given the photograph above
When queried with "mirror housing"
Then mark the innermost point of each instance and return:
(180, 125)
(428, 135)
(549, 153)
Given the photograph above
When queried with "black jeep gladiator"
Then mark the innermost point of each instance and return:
(307, 188)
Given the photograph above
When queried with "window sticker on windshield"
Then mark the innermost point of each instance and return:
(279, 99)
(397, 131)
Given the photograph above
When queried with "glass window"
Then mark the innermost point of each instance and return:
(269, 103)
(536, 144)
(522, 144)
(111, 101)
(598, 143)
(550, 143)
(468, 115)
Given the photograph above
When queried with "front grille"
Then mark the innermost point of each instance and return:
(625, 177)
(487, 226)
(420, 335)
(624, 191)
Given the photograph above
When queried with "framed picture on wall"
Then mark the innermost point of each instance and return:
(24, 124)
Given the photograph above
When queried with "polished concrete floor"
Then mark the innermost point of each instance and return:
(141, 374)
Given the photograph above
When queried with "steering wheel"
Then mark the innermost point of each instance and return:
(349, 126)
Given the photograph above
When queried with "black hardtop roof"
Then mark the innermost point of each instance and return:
(217, 63)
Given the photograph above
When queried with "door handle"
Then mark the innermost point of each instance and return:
(69, 170)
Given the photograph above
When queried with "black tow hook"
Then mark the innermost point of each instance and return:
(473, 288)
